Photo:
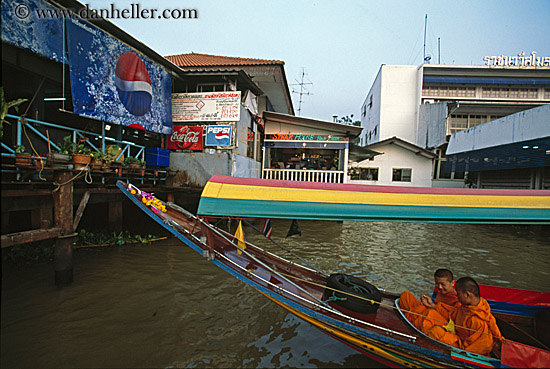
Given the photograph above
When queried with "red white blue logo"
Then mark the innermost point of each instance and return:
(218, 135)
(133, 84)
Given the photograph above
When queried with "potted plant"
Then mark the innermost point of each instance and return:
(97, 160)
(62, 155)
(81, 155)
(21, 156)
(131, 162)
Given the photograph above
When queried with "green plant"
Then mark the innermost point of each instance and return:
(131, 160)
(20, 149)
(81, 149)
(6, 106)
(66, 146)
(115, 239)
(98, 155)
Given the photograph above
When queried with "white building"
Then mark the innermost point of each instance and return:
(399, 163)
(424, 105)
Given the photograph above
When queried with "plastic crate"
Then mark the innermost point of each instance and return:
(156, 157)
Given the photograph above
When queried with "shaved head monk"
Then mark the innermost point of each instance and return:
(475, 326)
(424, 314)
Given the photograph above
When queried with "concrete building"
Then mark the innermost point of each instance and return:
(263, 87)
(424, 105)
(398, 163)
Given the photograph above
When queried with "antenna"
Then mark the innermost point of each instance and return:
(425, 26)
(303, 89)
(439, 50)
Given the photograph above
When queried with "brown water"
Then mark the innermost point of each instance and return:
(165, 306)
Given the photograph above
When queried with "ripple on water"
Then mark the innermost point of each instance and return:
(165, 306)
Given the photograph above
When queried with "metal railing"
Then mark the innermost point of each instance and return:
(305, 175)
(76, 134)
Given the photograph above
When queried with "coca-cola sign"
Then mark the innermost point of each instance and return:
(186, 137)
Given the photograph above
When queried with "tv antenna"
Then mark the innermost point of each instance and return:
(303, 89)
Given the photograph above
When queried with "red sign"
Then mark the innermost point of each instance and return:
(186, 137)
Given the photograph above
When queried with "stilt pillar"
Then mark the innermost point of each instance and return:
(63, 218)
(115, 216)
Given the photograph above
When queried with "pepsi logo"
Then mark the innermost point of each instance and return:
(222, 135)
(133, 84)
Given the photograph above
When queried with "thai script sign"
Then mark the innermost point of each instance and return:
(186, 137)
(304, 137)
(218, 135)
(518, 61)
(206, 106)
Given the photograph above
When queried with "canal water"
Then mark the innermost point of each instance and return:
(163, 305)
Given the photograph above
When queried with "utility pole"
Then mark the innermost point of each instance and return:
(303, 89)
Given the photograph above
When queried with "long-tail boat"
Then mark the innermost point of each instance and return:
(352, 310)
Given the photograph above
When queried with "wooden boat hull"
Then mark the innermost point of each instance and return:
(383, 336)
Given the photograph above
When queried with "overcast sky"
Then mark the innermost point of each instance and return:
(342, 44)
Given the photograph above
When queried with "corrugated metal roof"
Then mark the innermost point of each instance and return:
(206, 60)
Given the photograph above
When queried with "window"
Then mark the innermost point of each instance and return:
(401, 174)
(210, 87)
(369, 174)
(250, 143)
(505, 92)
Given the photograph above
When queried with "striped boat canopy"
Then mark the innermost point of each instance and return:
(263, 198)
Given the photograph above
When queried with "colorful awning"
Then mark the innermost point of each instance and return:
(262, 198)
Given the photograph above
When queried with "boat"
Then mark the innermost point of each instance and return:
(367, 319)
(265, 198)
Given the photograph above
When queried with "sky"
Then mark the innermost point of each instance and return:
(339, 46)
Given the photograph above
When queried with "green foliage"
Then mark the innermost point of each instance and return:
(34, 253)
(349, 121)
(115, 239)
(20, 149)
(70, 147)
(43, 251)
(5, 107)
(66, 146)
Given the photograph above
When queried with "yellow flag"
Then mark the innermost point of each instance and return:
(450, 327)
(239, 235)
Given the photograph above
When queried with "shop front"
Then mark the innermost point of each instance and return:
(299, 149)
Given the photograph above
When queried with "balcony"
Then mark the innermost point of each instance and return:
(305, 175)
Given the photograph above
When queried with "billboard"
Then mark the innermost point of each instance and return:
(206, 106)
(22, 27)
(219, 135)
(112, 82)
(186, 138)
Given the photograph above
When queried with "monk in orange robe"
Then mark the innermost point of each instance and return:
(424, 314)
(476, 328)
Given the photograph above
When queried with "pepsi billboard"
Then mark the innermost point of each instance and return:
(218, 135)
(22, 27)
(114, 83)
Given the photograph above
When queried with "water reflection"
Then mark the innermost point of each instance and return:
(165, 306)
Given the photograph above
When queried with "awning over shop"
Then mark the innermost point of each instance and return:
(520, 140)
(262, 198)
(525, 154)
(307, 144)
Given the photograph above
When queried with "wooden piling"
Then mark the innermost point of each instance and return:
(63, 218)
(115, 216)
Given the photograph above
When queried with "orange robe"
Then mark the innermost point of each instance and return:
(482, 329)
(425, 318)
